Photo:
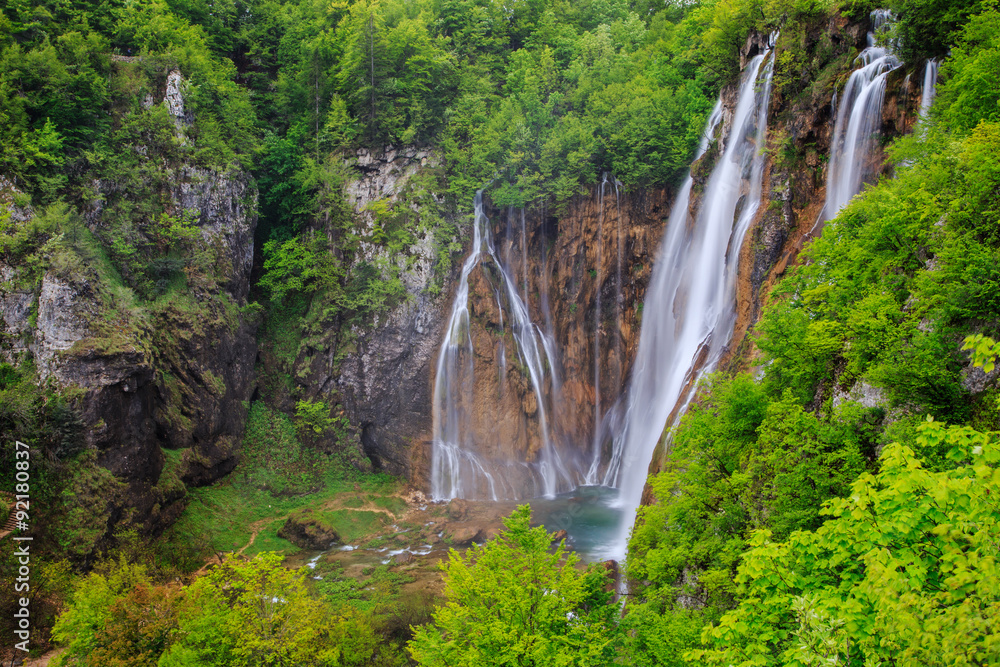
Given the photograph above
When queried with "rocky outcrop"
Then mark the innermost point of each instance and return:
(224, 205)
(307, 531)
(381, 375)
(205, 348)
(146, 374)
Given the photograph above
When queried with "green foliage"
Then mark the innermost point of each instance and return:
(297, 266)
(257, 612)
(242, 613)
(273, 457)
(739, 463)
(87, 502)
(967, 98)
(984, 349)
(313, 416)
(903, 571)
(927, 28)
(511, 602)
(81, 627)
(882, 575)
(276, 476)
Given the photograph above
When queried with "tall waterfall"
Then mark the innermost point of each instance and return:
(597, 316)
(690, 308)
(600, 427)
(858, 121)
(458, 468)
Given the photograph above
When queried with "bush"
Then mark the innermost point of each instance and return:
(511, 602)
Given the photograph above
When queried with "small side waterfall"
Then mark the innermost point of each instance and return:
(690, 306)
(859, 118)
(930, 87)
(458, 468)
(619, 357)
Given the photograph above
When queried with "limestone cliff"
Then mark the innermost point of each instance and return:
(376, 368)
(145, 372)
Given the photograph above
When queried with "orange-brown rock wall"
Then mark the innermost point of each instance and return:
(603, 247)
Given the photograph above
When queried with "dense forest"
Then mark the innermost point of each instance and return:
(830, 497)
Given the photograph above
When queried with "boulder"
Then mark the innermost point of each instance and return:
(464, 535)
(307, 531)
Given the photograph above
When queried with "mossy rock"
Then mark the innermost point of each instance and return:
(307, 531)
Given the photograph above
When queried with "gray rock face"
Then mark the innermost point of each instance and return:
(15, 311)
(117, 390)
(205, 361)
(976, 380)
(383, 176)
(60, 323)
(173, 375)
(385, 383)
(862, 393)
(174, 101)
(225, 204)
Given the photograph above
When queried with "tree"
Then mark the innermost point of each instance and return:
(258, 612)
(512, 602)
(904, 572)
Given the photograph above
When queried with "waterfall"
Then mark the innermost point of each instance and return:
(596, 439)
(601, 425)
(608, 422)
(458, 468)
(859, 118)
(524, 258)
(930, 87)
(690, 307)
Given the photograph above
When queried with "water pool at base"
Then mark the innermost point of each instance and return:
(589, 515)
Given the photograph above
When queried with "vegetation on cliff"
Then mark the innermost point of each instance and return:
(822, 512)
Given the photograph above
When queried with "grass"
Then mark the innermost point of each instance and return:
(392, 504)
(268, 540)
(275, 478)
(352, 525)
(282, 328)
(221, 517)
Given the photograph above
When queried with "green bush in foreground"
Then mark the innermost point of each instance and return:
(242, 613)
(511, 602)
(904, 571)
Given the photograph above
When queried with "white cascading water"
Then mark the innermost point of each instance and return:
(930, 87)
(855, 134)
(597, 317)
(690, 308)
(458, 470)
(601, 426)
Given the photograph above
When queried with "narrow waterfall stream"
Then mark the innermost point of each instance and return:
(690, 307)
(859, 117)
(600, 425)
(597, 321)
(929, 87)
